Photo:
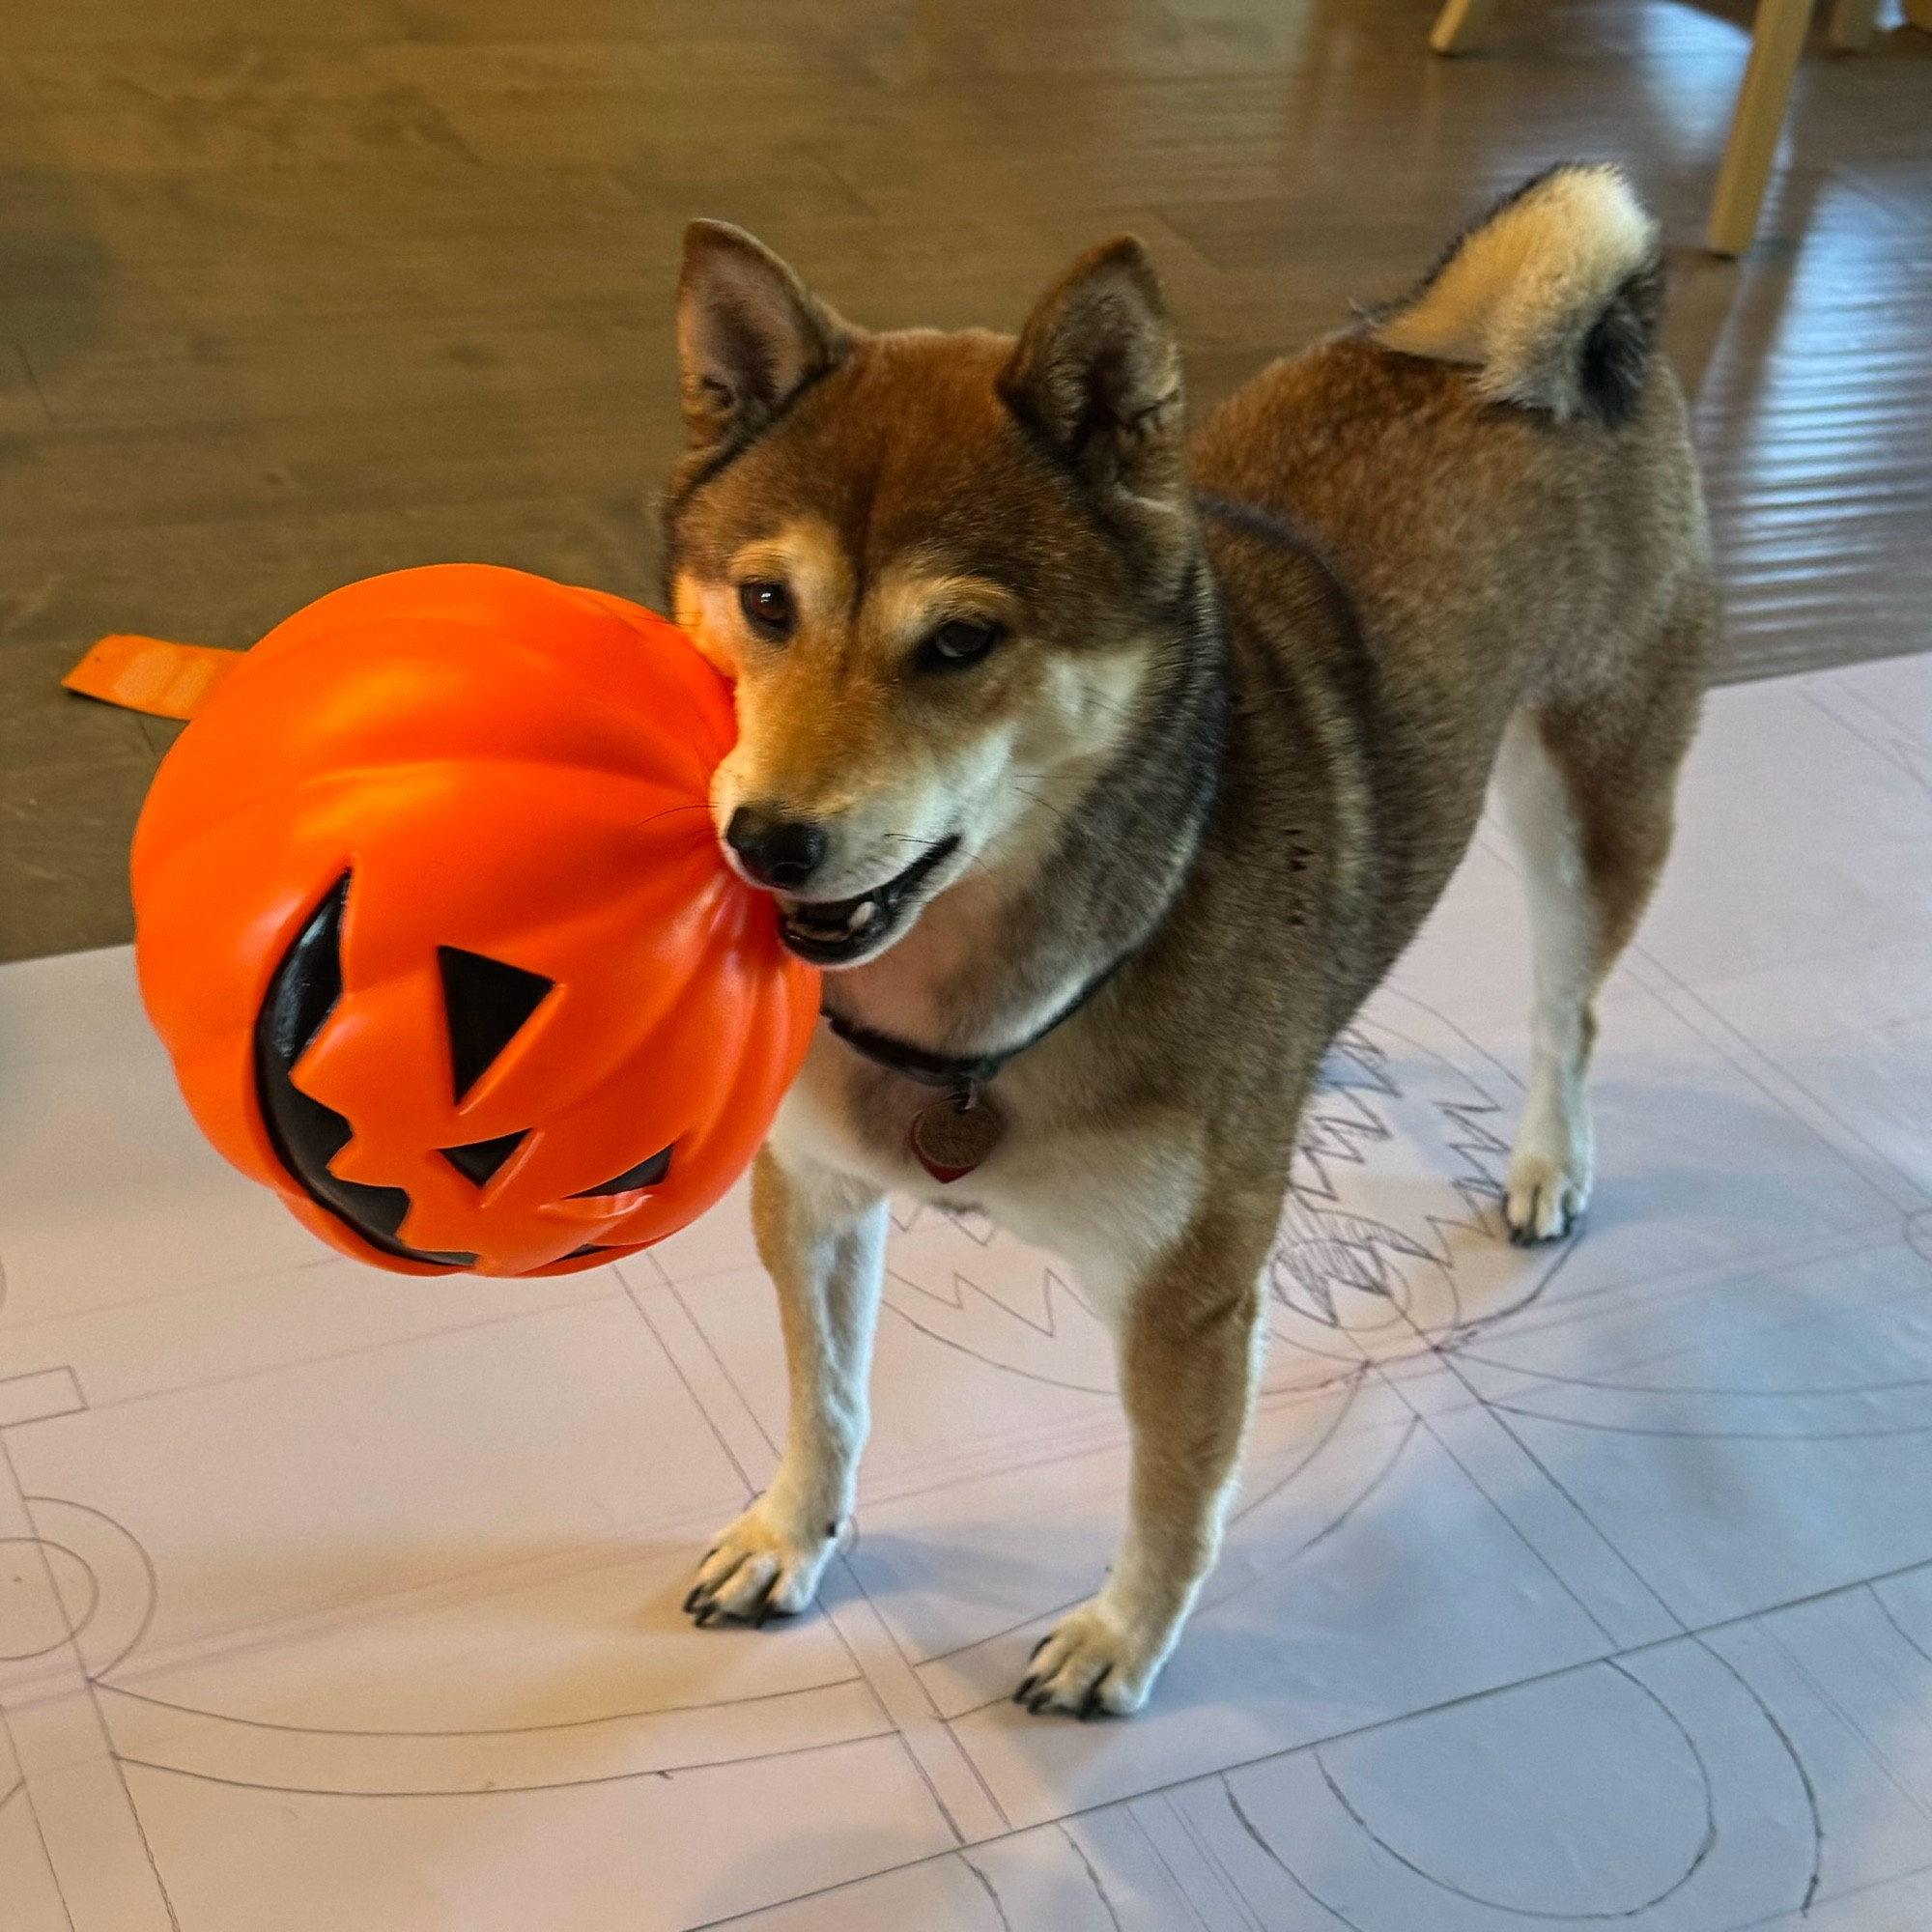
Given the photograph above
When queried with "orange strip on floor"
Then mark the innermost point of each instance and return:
(150, 674)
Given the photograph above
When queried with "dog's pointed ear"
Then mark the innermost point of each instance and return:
(750, 333)
(1097, 373)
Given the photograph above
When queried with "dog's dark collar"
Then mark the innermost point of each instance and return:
(958, 1076)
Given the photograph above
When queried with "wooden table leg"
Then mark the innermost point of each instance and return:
(1777, 42)
(1460, 25)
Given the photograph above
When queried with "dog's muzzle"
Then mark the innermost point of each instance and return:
(843, 933)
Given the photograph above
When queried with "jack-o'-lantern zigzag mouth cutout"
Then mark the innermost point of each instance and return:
(306, 1135)
(486, 1005)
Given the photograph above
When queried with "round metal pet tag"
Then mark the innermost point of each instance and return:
(952, 1136)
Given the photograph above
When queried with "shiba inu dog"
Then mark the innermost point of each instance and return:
(1106, 772)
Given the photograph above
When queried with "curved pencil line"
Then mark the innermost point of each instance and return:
(1388, 990)
(1452, 1344)
(496, 1731)
(1093, 1876)
(1885, 1610)
(986, 1886)
(1705, 1843)
(1729, 1395)
(1798, 1765)
(139, 1548)
(1286, 1871)
(70, 1627)
(1716, 1435)
(664, 1770)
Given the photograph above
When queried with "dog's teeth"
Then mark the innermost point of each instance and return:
(862, 915)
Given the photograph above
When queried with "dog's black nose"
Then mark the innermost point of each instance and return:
(781, 852)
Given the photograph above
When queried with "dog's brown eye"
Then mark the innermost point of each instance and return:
(962, 641)
(767, 609)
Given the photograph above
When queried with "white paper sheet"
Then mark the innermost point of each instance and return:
(1588, 1584)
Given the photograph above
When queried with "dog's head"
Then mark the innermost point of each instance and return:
(940, 568)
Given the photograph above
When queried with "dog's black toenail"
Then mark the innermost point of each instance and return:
(1040, 1646)
(1090, 1704)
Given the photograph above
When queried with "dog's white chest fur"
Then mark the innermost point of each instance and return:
(1107, 1202)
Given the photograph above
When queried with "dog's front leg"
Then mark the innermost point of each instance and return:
(821, 1236)
(1190, 1353)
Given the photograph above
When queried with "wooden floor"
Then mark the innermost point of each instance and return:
(290, 293)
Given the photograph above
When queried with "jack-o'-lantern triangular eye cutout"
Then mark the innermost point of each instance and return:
(485, 1004)
(481, 1161)
(646, 1174)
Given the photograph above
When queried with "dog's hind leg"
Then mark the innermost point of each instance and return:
(1587, 792)
(1551, 1166)
(822, 1237)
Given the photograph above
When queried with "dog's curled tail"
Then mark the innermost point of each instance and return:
(1555, 295)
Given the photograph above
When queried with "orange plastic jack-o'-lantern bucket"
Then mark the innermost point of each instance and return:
(430, 917)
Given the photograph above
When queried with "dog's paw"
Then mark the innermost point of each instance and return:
(1089, 1663)
(759, 1569)
(1546, 1196)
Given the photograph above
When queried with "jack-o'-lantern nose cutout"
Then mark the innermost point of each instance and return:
(307, 1136)
(485, 1004)
(481, 1161)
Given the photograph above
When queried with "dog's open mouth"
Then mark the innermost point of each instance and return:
(836, 933)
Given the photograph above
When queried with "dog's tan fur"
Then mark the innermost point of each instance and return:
(1247, 761)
